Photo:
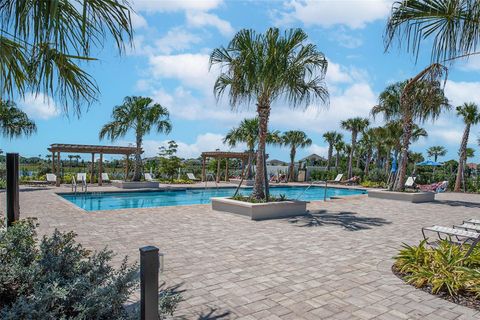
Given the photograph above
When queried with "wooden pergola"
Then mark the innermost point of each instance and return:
(58, 148)
(223, 155)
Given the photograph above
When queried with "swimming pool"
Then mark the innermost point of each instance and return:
(163, 198)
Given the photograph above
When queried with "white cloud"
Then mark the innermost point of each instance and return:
(203, 19)
(138, 21)
(176, 39)
(471, 63)
(204, 142)
(320, 150)
(347, 40)
(175, 5)
(460, 92)
(39, 106)
(326, 13)
(448, 136)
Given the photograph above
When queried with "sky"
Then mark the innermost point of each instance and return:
(169, 63)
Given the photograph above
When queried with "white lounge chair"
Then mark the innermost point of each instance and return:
(148, 176)
(192, 177)
(81, 177)
(105, 177)
(338, 178)
(51, 178)
(410, 183)
(456, 235)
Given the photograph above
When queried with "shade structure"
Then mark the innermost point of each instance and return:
(429, 163)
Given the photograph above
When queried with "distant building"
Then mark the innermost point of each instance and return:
(275, 162)
(313, 159)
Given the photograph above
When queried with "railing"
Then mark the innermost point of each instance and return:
(311, 184)
(213, 179)
(74, 185)
(84, 185)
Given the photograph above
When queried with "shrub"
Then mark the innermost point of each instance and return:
(377, 175)
(56, 278)
(373, 184)
(3, 184)
(444, 269)
(322, 175)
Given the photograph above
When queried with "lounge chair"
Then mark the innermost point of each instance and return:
(410, 183)
(148, 177)
(51, 178)
(455, 235)
(105, 177)
(434, 187)
(352, 180)
(81, 177)
(192, 177)
(338, 178)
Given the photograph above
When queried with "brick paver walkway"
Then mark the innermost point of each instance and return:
(334, 265)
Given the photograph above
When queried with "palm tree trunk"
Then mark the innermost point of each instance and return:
(359, 158)
(291, 169)
(337, 160)
(378, 159)
(330, 152)
(402, 166)
(462, 160)
(263, 111)
(137, 170)
(388, 161)
(350, 158)
(369, 158)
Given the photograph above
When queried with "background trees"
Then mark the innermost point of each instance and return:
(294, 139)
(436, 152)
(355, 126)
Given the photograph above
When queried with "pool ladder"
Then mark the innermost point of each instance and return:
(311, 184)
(213, 179)
(74, 185)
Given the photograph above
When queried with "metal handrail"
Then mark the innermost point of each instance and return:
(213, 179)
(311, 184)
(74, 185)
(84, 185)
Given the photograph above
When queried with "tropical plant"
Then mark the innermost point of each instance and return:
(169, 163)
(471, 116)
(436, 151)
(247, 132)
(331, 137)
(339, 147)
(265, 67)
(294, 139)
(355, 126)
(380, 144)
(45, 43)
(367, 143)
(13, 121)
(417, 99)
(56, 278)
(139, 114)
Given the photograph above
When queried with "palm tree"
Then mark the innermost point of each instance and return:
(14, 122)
(339, 147)
(367, 142)
(471, 116)
(139, 114)
(436, 151)
(45, 43)
(379, 141)
(355, 126)
(294, 139)
(247, 132)
(331, 137)
(265, 67)
(417, 99)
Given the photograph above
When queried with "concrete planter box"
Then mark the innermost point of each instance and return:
(261, 211)
(135, 184)
(413, 197)
(248, 183)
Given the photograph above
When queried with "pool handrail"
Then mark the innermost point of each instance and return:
(311, 184)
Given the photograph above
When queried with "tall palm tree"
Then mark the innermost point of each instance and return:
(436, 151)
(247, 132)
(46, 43)
(331, 137)
(141, 115)
(355, 126)
(339, 147)
(379, 137)
(14, 122)
(417, 99)
(368, 142)
(265, 67)
(471, 116)
(294, 139)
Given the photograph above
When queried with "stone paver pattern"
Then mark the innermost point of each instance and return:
(332, 264)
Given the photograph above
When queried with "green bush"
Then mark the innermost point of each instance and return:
(322, 175)
(444, 269)
(373, 184)
(56, 278)
(377, 175)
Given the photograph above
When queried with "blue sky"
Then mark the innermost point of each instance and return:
(169, 62)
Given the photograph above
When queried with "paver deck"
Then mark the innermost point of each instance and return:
(334, 264)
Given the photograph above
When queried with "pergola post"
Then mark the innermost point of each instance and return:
(203, 168)
(218, 169)
(226, 170)
(126, 167)
(100, 165)
(53, 162)
(93, 168)
(58, 170)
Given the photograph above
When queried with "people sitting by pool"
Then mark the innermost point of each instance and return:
(278, 178)
(353, 180)
(440, 186)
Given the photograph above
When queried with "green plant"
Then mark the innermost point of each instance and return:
(377, 175)
(251, 199)
(3, 184)
(169, 164)
(56, 278)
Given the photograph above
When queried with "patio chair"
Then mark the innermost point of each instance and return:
(410, 183)
(105, 177)
(192, 177)
(442, 187)
(338, 179)
(453, 235)
(473, 221)
(81, 177)
(148, 177)
(51, 178)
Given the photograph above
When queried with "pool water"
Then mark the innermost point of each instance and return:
(163, 198)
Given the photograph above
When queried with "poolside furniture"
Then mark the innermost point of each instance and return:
(81, 177)
(148, 177)
(434, 187)
(192, 177)
(51, 178)
(338, 178)
(472, 221)
(352, 180)
(105, 177)
(453, 235)
(410, 183)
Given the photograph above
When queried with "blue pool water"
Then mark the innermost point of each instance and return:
(161, 198)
